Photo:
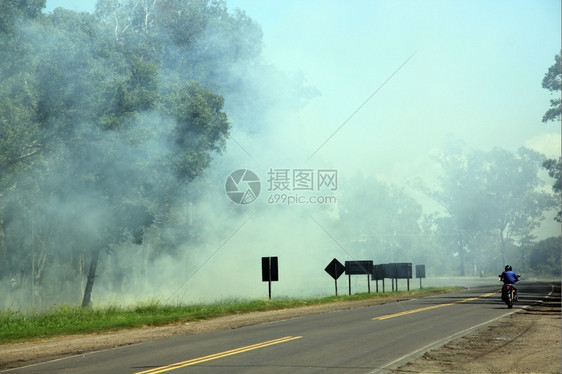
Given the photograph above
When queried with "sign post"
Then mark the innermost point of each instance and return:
(403, 271)
(420, 273)
(389, 271)
(335, 269)
(378, 274)
(269, 271)
(359, 267)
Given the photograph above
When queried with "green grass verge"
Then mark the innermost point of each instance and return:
(16, 326)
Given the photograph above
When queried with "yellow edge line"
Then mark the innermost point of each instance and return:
(388, 316)
(215, 356)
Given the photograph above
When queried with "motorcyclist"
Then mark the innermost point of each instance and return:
(509, 277)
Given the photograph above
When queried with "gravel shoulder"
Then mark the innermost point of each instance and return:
(529, 338)
(524, 342)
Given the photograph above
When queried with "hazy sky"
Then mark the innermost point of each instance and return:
(475, 73)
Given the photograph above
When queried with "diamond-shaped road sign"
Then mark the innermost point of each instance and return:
(335, 269)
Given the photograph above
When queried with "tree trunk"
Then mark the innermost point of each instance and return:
(461, 262)
(3, 251)
(91, 278)
(522, 258)
(461, 256)
(480, 266)
(502, 245)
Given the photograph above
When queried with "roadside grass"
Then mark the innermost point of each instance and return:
(18, 326)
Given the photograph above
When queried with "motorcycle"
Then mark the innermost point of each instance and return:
(508, 293)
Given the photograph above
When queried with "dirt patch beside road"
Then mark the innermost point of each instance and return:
(524, 342)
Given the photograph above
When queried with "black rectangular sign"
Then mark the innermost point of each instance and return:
(403, 270)
(269, 269)
(358, 267)
(378, 273)
(389, 270)
(420, 271)
(397, 270)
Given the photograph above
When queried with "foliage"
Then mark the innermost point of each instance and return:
(554, 168)
(378, 221)
(22, 9)
(104, 119)
(488, 195)
(552, 82)
(544, 257)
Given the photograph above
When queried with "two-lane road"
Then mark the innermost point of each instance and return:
(363, 340)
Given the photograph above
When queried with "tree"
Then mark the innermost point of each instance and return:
(189, 40)
(20, 142)
(554, 167)
(102, 130)
(517, 206)
(544, 257)
(378, 221)
(484, 192)
(552, 82)
(11, 11)
(460, 195)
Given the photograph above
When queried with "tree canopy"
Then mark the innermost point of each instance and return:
(489, 195)
(552, 82)
(104, 119)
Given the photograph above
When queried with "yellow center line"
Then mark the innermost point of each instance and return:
(432, 307)
(215, 356)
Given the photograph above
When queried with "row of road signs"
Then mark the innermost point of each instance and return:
(393, 271)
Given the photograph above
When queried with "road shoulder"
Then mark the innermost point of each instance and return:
(528, 341)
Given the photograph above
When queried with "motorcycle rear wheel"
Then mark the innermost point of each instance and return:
(510, 300)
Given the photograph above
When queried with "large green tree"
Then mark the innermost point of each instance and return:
(105, 119)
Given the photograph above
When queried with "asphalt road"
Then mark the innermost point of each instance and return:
(364, 340)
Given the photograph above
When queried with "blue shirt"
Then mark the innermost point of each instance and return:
(509, 277)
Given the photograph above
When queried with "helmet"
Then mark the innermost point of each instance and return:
(507, 267)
